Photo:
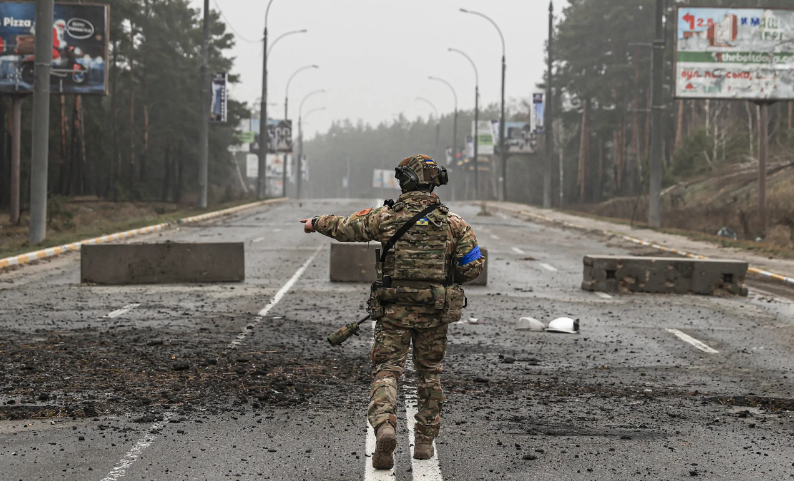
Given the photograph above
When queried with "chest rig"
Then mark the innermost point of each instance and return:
(415, 267)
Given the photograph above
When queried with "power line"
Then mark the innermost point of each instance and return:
(238, 34)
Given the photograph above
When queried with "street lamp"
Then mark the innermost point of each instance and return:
(300, 137)
(438, 122)
(286, 94)
(264, 138)
(286, 115)
(299, 164)
(455, 116)
(502, 152)
(476, 116)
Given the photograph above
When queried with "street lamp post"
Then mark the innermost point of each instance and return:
(549, 120)
(264, 138)
(476, 117)
(286, 95)
(286, 116)
(438, 122)
(300, 138)
(454, 121)
(299, 164)
(502, 153)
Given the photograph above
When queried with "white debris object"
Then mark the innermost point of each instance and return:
(530, 324)
(565, 325)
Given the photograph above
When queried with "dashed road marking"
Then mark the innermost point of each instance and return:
(548, 267)
(494, 236)
(122, 311)
(422, 469)
(120, 469)
(603, 295)
(518, 251)
(270, 305)
(258, 239)
(691, 340)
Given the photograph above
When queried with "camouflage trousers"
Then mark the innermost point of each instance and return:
(388, 355)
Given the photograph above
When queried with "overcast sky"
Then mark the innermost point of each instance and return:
(375, 55)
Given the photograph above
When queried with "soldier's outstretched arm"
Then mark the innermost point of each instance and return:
(470, 260)
(363, 226)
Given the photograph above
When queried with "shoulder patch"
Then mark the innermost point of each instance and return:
(363, 212)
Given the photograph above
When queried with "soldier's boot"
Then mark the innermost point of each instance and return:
(423, 446)
(386, 441)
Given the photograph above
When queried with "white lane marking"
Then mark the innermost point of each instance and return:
(258, 239)
(370, 473)
(120, 469)
(691, 340)
(122, 311)
(518, 251)
(270, 305)
(422, 469)
(548, 267)
(378, 202)
(603, 295)
(494, 236)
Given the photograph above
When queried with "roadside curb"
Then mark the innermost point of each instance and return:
(75, 246)
(789, 281)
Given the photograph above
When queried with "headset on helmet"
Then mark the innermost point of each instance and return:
(434, 176)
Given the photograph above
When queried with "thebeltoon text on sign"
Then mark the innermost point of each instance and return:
(734, 53)
(79, 48)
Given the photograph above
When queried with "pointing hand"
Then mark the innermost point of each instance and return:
(307, 226)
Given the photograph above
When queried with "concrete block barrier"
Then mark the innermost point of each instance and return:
(163, 263)
(352, 262)
(664, 275)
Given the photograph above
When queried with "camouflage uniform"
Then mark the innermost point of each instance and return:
(404, 324)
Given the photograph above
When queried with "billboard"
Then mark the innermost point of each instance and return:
(519, 138)
(384, 179)
(485, 137)
(218, 112)
(274, 165)
(79, 48)
(734, 53)
(537, 112)
(280, 135)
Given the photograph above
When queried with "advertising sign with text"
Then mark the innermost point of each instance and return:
(734, 53)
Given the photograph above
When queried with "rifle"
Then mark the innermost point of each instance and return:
(344, 333)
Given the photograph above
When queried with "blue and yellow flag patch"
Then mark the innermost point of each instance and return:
(423, 221)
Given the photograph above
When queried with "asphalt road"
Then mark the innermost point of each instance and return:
(236, 381)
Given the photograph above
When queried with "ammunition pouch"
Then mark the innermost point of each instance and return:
(427, 295)
(448, 301)
(455, 301)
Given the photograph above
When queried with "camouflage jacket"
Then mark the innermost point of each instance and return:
(380, 224)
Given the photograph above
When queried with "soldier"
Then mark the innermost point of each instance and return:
(417, 296)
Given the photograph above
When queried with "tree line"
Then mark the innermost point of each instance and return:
(602, 81)
(138, 142)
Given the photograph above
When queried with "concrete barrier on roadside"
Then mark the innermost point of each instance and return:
(356, 263)
(664, 275)
(162, 263)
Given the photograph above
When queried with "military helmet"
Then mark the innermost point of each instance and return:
(420, 172)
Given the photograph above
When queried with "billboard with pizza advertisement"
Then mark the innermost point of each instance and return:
(79, 48)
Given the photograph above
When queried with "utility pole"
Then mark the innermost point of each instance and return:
(763, 144)
(549, 120)
(16, 134)
(41, 122)
(204, 111)
(476, 141)
(264, 138)
(657, 76)
(503, 178)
